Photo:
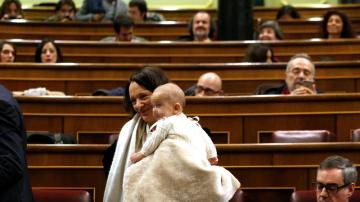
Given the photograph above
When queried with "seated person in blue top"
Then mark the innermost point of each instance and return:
(101, 10)
(299, 78)
(139, 12)
(65, 11)
(124, 31)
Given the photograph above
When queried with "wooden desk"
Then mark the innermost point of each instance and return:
(189, 52)
(238, 78)
(19, 29)
(186, 14)
(282, 165)
(241, 116)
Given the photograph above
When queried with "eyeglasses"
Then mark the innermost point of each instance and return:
(331, 188)
(207, 91)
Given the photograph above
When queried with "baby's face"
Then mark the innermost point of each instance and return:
(162, 107)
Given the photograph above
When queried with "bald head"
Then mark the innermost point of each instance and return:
(209, 84)
(167, 100)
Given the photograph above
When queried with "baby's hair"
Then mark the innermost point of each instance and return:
(173, 93)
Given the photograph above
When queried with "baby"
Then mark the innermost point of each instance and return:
(168, 101)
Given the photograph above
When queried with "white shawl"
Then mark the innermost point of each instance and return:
(121, 161)
(178, 171)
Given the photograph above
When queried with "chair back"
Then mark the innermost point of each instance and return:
(61, 195)
(302, 136)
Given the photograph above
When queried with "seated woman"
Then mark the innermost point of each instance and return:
(287, 13)
(336, 25)
(48, 52)
(269, 31)
(259, 53)
(101, 10)
(65, 11)
(11, 9)
(8, 52)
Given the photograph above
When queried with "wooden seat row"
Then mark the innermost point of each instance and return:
(185, 14)
(238, 78)
(242, 118)
(168, 30)
(189, 52)
(271, 166)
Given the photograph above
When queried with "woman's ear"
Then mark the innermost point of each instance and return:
(178, 108)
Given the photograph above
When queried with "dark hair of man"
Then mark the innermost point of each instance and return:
(5, 6)
(2, 43)
(141, 5)
(65, 2)
(39, 48)
(287, 10)
(122, 21)
(349, 171)
(258, 53)
(149, 78)
(347, 30)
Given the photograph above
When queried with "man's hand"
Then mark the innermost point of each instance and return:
(135, 157)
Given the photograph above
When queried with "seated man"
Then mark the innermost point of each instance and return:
(209, 84)
(299, 78)
(201, 28)
(335, 179)
(124, 31)
(139, 12)
(65, 11)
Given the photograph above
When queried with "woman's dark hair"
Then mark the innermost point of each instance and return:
(141, 5)
(5, 5)
(39, 48)
(149, 78)
(287, 10)
(60, 3)
(2, 43)
(258, 53)
(347, 31)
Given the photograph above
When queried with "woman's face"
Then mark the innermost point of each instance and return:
(335, 25)
(7, 53)
(49, 53)
(140, 99)
(12, 10)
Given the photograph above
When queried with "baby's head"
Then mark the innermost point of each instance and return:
(167, 100)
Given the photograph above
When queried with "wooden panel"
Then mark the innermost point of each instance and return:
(188, 52)
(241, 116)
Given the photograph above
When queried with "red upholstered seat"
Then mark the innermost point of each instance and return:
(301, 136)
(238, 196)
(61, 195)
(310, 196)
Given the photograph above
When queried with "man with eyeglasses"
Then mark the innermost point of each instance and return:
(209, 84)
(299, 78)
(335, 180)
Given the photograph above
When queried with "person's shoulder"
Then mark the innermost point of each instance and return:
(269, 89)
(108, 39)
(5, 95)
(154, 17)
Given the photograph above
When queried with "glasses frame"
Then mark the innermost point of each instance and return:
(207, 91)
(318, 186)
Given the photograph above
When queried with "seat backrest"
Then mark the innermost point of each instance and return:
(356, 135)
(238, 196)
(301, 136)
(303, 196)
(61, 195)
(310, 196)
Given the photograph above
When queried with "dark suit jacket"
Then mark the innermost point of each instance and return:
(14, 179)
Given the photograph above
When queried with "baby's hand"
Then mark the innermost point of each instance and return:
(135, 157)
(213, 160)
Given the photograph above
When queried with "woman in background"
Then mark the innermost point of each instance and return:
(260, 53)
(11, 9)
(336, 25)
(48, 52)
(8, 52)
